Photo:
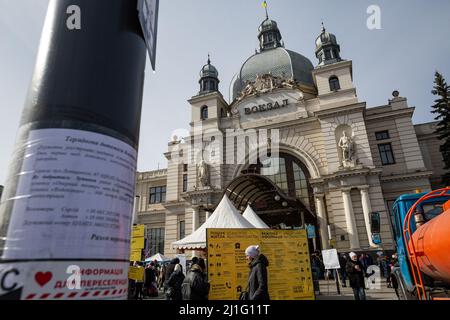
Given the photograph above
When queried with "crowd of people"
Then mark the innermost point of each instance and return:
(356, 269)
(170, 280)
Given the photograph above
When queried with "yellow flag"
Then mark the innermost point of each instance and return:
(264, 4)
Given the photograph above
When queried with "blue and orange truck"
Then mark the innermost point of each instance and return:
(421, 224)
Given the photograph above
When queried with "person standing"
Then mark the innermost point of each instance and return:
(169, 270)
(161, 276)
(195, 286)
(364, 261)
(149, 280)
(257, 279)
(138, 295)
(343, 272)
(174, 284)
(355, 271)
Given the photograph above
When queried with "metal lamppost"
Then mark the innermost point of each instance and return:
(67, 209)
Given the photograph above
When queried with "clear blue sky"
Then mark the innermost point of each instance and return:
(413, 43)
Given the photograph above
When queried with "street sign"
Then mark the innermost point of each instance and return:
(311, 230)
(376, 238)
(137, 243)
(330, 259)
(148, 17)
(138, 231)
(136, 273)
(136, 255)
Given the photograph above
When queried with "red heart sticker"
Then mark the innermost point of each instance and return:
(42, 278)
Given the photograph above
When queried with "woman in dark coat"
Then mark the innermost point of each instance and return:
(257, 279)
(355, 272)
(174, 284)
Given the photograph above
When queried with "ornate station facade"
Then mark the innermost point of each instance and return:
(332, 159)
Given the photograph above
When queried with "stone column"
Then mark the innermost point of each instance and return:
(208, 214)
(322, 220)
(350, 219)
(195, 218)
(367, 209)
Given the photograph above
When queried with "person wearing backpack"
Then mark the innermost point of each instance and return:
(195, 286)
(174, 284)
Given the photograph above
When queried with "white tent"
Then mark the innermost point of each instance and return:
(158, 257)
(254, 219)
(225, 216)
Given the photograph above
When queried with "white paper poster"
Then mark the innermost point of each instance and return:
(330, 259)
(74, 198)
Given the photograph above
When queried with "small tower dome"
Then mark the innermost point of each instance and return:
(209, 78)
(328, 50)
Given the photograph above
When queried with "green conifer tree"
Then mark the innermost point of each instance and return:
(442, 111)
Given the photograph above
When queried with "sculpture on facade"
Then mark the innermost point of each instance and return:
(347, 145)
(266, 83)
(203, 174)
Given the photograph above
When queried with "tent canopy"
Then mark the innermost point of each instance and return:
(225, 216)
(158, 257)
(254, 219)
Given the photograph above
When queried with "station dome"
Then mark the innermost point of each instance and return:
(273, 59)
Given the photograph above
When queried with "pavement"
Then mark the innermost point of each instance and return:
(328, 291)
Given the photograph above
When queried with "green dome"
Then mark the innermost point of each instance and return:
(279, 62)
(209, 71)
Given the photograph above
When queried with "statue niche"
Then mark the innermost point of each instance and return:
(346, 147)
(203, 174)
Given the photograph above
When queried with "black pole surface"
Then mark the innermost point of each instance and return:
(82, 118)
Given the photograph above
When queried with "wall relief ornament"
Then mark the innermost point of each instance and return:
(266, 83)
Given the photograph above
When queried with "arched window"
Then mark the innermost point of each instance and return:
(289, 174)
(334, 84)
(204, 113)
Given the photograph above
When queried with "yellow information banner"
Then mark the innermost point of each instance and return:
(137, 243)
(136, 255)
(136, 273)
(289, 271)
(138, 231)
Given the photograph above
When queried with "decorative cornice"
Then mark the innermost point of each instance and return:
(149, 175)
(203, 192)
(334, 66)
(353, 108)
(353, 173)
(389, 114)
(407, 176)
(174, 204)
(337, 93)
(206, 97)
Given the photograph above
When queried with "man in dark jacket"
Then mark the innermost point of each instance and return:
(343, 265)
(174, 283)
(169, 270)
(195, 286)
(355, 272)
(257, 279)
(171, 267)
